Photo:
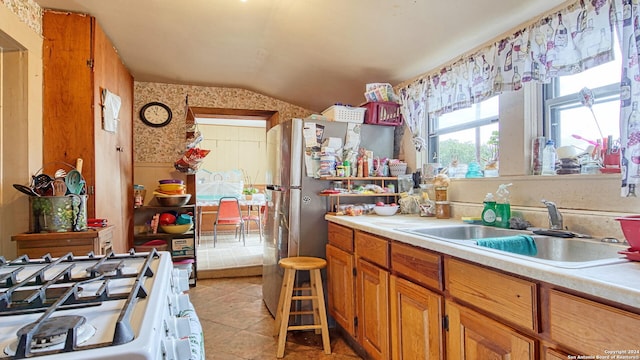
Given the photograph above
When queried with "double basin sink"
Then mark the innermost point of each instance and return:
(553, 251)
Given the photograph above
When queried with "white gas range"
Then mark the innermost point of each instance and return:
(126, 306)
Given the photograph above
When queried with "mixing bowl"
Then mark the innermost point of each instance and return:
(386, 210)
(173, 200)
(631, 229)
(175, 229)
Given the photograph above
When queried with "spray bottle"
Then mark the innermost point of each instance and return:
(503, 207)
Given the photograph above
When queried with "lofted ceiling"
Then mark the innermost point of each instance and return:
(311, 53)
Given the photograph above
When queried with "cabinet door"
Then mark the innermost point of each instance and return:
(372, 292)
(416, 321)
(473, 336)
(340, 292)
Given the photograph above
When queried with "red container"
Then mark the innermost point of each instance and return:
(631, 229)
(382, 113)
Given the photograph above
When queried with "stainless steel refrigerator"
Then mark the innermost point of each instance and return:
(295, 224)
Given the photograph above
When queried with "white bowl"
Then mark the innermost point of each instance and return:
(386, 210)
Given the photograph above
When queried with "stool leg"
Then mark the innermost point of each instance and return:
(316, 278)
(314, 300)
(283, 292)
(289, 276)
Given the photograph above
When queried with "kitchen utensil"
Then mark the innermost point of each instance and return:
(79, 163)
(59, 187)
(587, 140)
(60, 173)
(75, 182)
(25, 190)
(555, 233)
(41, 183)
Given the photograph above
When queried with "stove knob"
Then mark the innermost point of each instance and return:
(177, 327)
(178, 303)
(180, 280)
(175, 349)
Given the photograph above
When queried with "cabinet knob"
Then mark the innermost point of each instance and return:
(119, 149)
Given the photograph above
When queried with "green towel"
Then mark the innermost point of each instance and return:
(518, 244)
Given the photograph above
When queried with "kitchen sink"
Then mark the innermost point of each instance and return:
(554, 251)
(463, 232)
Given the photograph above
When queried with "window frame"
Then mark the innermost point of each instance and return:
(554, 104)
(433, 135)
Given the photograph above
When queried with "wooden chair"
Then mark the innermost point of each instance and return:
(229, 214)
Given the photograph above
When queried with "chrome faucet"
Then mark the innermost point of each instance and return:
(555, 218)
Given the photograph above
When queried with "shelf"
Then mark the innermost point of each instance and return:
(333, 200)
(187, 235)
(358, 178)
(359, 195)
(181, 246)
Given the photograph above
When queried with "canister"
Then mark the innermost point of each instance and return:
(443, 210)
(441, 193)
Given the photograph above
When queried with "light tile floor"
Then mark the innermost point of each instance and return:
(237, 325)
(229, 252)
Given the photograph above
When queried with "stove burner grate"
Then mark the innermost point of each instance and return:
(52, 334)
(53, 330)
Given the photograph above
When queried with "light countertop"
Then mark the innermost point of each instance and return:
(619, 282)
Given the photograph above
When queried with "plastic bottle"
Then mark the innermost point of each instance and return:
(503, 206)
(489, 212)
(549, 157)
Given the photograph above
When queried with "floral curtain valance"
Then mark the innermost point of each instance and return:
(566, 42)
(569, 41)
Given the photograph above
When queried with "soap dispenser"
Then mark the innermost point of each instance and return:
(503, 206)
(489, 212)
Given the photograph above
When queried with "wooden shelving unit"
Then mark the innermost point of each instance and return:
(334, 199)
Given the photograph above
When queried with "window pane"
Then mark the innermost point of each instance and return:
(579, 121)
(465, 146)
(484, 110)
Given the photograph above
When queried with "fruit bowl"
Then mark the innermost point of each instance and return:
(175, 229)
(386, 210)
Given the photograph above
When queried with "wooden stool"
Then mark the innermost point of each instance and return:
(291, 265)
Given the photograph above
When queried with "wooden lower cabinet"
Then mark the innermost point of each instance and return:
(551, 354)
(474, 336)
(589, 328)
(372, 293)
(340, 288)
(416, 321)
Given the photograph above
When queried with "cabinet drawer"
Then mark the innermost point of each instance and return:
(373, 248)
(420, 265)
(589, 327)
(341, 237)
(506, 297)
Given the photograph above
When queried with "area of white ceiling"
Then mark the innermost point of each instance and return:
(311, 53)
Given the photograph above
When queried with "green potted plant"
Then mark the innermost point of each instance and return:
(248, 189)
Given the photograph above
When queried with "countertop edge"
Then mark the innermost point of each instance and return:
(618, 283)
